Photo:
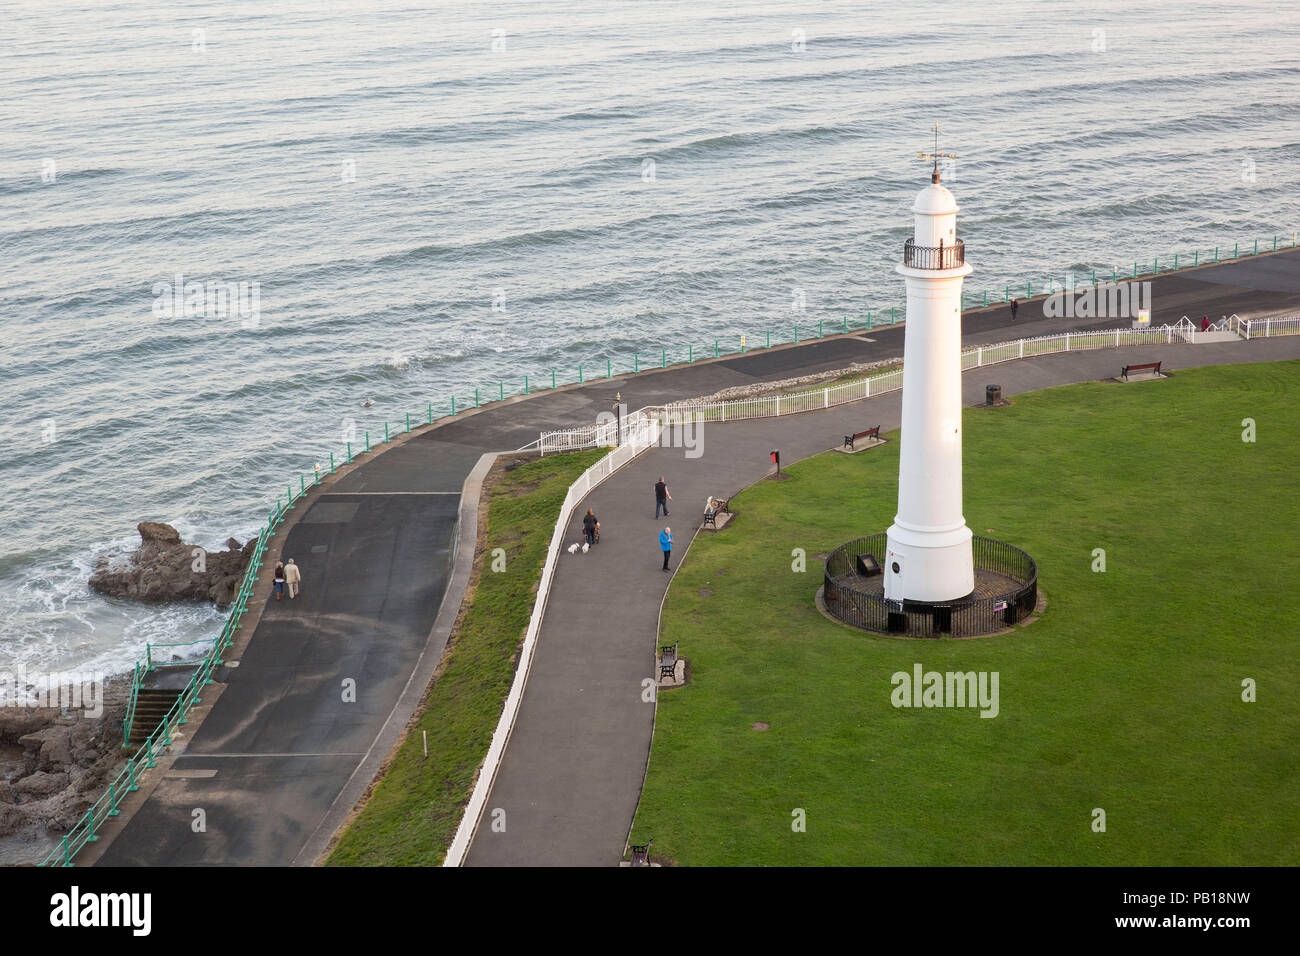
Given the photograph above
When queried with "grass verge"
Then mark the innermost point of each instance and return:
(410, 814)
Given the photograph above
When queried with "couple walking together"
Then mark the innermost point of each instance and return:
(287, 575)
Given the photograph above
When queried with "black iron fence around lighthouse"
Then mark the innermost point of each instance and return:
(1006, 592)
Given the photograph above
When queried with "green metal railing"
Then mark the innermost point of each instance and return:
(795, 332)
(152, 664)
(137, 679)
(1157, 265)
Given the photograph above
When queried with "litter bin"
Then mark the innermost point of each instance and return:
(992, 394)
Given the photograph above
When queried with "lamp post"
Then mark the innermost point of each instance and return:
(618, 418)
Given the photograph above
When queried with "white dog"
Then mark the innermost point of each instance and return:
(573, 548)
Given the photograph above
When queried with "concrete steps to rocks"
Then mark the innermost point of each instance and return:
(151, 706)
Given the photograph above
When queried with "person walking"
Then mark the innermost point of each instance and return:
(292, 577)
(1015, 307)
(590, 525)
(662, 497)
(279, 580)
(666, 544)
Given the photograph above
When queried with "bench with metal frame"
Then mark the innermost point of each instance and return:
(719, 507)
(641, 853)
(668, 660)
(1144, 367)
(872, 433)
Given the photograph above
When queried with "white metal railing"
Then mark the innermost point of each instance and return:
(793, 403)
(572, 439)
(770, 406)
(1266, 327)
(639, 433)
(601, 434)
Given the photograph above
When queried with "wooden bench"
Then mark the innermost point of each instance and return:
(668, 660)
(872, 433)
(711, 517)
(641, 853)
(1144, 367)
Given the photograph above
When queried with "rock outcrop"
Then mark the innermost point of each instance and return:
(164, 568)
(55, 763)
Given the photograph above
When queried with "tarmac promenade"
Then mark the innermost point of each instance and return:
(319, 689)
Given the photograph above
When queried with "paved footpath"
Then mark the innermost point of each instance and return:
(279, 756)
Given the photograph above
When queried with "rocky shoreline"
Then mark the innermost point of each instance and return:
(54, 763)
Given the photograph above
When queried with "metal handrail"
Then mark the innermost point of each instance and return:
(949, 256)
(129, 719)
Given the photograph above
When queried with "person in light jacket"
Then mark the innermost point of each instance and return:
(292, 576)
(666, 544)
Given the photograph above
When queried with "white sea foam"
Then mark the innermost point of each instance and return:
(49, 616)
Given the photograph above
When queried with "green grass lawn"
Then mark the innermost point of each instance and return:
(412, 813)
(1126, 695)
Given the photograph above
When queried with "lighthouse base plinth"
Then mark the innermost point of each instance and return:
(928, 566)
(1005, 592)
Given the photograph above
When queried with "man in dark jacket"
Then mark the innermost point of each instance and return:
(662, 497)
(589, 526)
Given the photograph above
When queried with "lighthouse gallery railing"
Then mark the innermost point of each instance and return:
(948, 256)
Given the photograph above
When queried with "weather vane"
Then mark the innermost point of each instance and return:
(936, 155)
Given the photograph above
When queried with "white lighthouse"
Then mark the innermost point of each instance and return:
(929, 552)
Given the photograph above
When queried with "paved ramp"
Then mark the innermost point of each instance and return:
(269, 760)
